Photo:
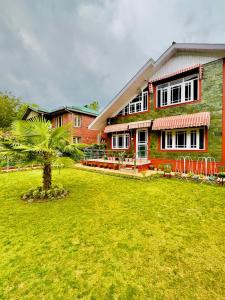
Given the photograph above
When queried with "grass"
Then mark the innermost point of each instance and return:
(112, 238)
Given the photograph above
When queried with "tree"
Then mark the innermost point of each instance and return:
(37, 138)
(11, 109)
(93, 105)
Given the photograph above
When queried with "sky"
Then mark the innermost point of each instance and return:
(73, 52)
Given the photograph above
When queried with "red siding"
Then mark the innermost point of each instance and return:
(87, 136)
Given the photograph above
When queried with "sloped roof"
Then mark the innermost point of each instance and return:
(80, 109)
(145, 74)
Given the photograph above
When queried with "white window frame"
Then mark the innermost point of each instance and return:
(188, 80)
(143, 97)
(125, 140)
(188, 139)
(76, 139)
(76, 120)
(59, 121)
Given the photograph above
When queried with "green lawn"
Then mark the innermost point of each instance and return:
(112, 238)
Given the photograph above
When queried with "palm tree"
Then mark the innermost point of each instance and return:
(37, 138)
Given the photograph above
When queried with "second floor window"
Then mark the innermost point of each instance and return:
(77, 121)
(178, 91)
(138, 104)
(59, 121)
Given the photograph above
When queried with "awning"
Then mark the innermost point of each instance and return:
(140, 124)
(182, 121)
(116, 127)
(198, 66)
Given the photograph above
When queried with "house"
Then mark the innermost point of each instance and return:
(173, 107)
(80, 117)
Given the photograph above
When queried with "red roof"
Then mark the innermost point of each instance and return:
(116, 127)
(182, 121)
(126, 126)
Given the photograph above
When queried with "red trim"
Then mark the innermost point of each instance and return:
(185, 150)
(223, 115)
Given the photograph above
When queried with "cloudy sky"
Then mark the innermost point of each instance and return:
(55, 52)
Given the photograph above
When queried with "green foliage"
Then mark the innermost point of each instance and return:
(38, 194)
(93, 105)
(11, 109)
(112, 238)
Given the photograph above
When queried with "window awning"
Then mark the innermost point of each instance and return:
(140, 124)
(182, 121)
(116, 127)
(198, 66)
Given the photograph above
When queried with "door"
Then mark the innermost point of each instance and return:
(142, 143)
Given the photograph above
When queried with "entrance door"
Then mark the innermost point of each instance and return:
(142, 143)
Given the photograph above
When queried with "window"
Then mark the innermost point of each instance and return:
(59, 121)
(188, 139)
(76, 139)
(181, 139)
(120, 141)
(138, 104)
(177, 91)
(77, 121)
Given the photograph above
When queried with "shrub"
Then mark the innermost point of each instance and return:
(39, 195)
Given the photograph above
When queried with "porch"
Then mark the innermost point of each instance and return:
(114, 160)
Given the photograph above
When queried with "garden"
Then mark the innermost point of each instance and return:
(111, 238)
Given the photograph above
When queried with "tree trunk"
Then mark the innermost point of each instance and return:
(47, 176)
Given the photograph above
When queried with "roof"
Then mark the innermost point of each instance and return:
(182, 121)
(126, 126)
(80, 109)
(83, 109)
(145, 74)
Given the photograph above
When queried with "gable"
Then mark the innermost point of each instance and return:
(32, 114)
(184, 60)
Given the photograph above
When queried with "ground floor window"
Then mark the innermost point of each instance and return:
(183, 139)
(120, 141)
(76, 139)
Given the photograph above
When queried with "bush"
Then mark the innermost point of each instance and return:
(39, 195)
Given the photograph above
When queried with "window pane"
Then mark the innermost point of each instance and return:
(142, 137)
(176, 94)
(201, 138)
(126, 141)
(180, 139)
(120, 141)
(159, 98)
(193, 139)
(188, 91)
(145, 100)
(195, 89)
(169, 140)
(164, 97)
(163, 139)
